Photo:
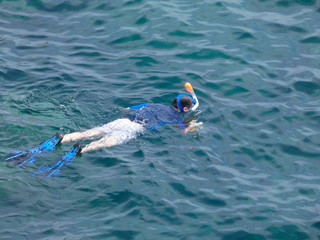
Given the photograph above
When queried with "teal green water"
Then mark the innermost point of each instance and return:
(252, 172)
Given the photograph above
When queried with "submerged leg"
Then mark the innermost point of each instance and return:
(105, 142)
(89, 134)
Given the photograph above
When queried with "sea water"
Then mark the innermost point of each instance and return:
(251, 171)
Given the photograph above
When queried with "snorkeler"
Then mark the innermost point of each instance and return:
(147, 116)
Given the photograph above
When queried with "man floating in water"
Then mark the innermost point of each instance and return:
(147, 116)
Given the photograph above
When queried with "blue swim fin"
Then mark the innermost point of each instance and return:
(65, 160)
(27, 156)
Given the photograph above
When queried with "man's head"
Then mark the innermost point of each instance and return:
(183, 103)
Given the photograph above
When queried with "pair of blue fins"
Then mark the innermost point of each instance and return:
(23, 157)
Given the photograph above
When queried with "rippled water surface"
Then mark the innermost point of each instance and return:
(251, 172)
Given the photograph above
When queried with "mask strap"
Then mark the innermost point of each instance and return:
(179, 102)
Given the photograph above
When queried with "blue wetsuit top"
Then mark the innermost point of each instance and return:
(152, 116)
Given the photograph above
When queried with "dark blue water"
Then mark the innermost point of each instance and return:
(251, 172)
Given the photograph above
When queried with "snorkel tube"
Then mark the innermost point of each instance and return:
(189, 88)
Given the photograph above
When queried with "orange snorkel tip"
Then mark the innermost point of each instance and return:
(188, 87)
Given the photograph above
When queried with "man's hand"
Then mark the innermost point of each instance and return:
(192, 126)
